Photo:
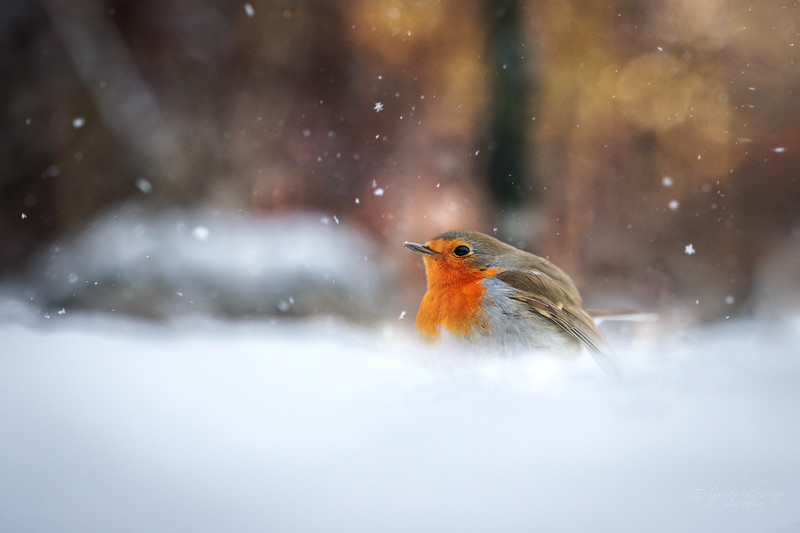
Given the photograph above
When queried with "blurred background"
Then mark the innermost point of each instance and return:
(268, 158)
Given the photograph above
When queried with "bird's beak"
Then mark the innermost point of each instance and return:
(419, 248)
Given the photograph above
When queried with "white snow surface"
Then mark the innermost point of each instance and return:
(117, 425)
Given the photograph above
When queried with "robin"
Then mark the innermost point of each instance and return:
(488, 292)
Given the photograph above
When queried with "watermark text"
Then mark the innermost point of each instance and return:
(757, 496)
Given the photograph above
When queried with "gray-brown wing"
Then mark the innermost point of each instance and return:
(540, 284)
(565, 314)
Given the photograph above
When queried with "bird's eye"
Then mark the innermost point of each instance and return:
(461, 250)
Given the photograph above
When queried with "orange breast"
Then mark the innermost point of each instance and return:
(453, 299)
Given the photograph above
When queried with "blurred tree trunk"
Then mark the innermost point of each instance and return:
(508, 174)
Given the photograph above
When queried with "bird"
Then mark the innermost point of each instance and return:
(492, 294)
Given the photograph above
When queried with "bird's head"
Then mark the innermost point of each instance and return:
(461, 256)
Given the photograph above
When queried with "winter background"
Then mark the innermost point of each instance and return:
(206, 313)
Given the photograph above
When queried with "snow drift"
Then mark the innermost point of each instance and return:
(314, 426)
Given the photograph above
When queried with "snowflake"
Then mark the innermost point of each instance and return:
(201, 233)
(378, 107)
(689, 249)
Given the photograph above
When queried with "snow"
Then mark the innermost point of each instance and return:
(689, 249)
(201, 233)
(319, 426)
(176, 262)
(144, 185)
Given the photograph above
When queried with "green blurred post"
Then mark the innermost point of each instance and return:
(509, 91)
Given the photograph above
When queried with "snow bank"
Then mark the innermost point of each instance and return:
(117, 425)
(161, 264)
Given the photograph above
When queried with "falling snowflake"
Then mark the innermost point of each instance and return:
(144, 185)
(378, 107)
(689, 249)
(285, 305)
(201, 233)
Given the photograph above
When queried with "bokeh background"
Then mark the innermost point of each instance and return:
(268, 158)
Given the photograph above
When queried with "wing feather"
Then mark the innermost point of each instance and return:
(562, 306)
